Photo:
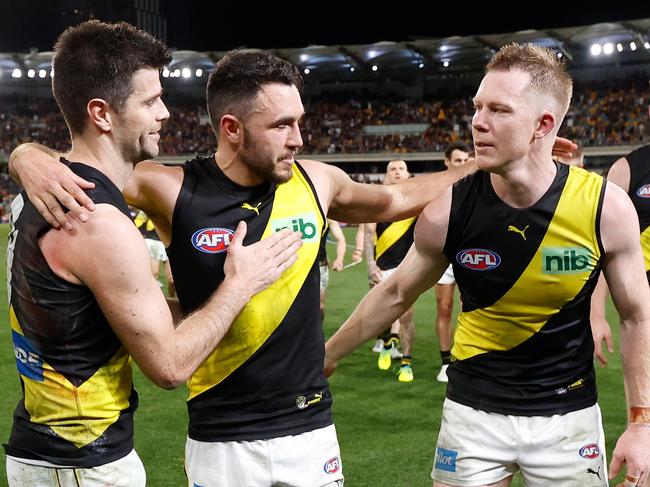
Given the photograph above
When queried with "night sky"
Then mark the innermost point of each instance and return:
(219, 25)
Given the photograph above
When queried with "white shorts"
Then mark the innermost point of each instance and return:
(324, 277)
(477, 448)
(310, 459)
(125, 472)
(156, 249)
(448, 276)
(387, 272)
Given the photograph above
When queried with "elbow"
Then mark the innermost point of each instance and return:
(169, 379)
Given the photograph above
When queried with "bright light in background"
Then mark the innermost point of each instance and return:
(619, 47)
(445, 64)
(352, 69)
(608, 48)
(31, 73)
(165, 73)
(304, 57)
(42, 73)
(374, 67)
(306, 71)
(52, 73)
(559, 55)
(16, 73)
(633, 46)
(646, 44)
(198, 73)
(596, 49)
(421, 65)
(186, 72)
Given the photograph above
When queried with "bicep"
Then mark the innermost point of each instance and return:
(623, 263)
(619, 174)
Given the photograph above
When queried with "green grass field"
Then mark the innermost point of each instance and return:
(387, 430)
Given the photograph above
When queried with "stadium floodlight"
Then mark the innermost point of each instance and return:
(186, 72)
(177, 73)
(608, 48)
(16, 73)
(306, 71)
(165, 73)
(559, 55)
(596, 49)
(445, 63)
(374, 67)
(31, 73)
(633, 46)
(198, 73)
(619, 47)
(42, 73)
(352, 69)
(52, 73)
(421, 65)
(646, 44)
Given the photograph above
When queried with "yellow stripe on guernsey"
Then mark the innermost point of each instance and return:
(141, 218)
(645, 247)
(391, 235)
(82, 414)
(295, 206)
(520, 313)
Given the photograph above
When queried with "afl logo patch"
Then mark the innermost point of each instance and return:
(212, 240)
(643, 191)
(590, 451)
(332, 465)
(478, 259)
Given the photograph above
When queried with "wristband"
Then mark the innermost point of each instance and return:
(640, 415)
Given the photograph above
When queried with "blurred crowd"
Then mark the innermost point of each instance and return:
(601, 114)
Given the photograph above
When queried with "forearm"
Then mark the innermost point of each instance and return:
(598, 299)
(21, 150)
(381, 307)
(635, 343)
(201, 332)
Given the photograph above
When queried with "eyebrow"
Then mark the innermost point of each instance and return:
(153, 97)
(287, 120)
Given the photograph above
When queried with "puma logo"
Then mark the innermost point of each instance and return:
(512, 228)
(248, 206)
(597, 474)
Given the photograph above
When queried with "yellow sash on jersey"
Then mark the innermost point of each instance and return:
(392, 234)
(537, 296)
(266, 310)
(81, 414)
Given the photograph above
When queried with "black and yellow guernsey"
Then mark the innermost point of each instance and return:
(639, 192)
(523, 344)
(265, 379)
(78, 397)
(392, 242)
(145, 225)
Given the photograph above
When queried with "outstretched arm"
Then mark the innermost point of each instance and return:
(386, 302)
(623, 267)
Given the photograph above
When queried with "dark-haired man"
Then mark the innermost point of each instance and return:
(82, 301)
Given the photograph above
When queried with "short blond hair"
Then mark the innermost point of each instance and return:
(547, 72)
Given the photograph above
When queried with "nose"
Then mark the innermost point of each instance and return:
(163, 113)
(478, 121)
(295, 138)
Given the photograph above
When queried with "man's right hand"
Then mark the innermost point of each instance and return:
(255, 267)
(50, 185)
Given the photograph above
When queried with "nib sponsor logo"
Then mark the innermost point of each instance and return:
(332, 465)
(565, 260)
(212, 240)
(305, 224)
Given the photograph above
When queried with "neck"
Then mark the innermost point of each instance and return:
(522, 183)
(100, 153)
(234, 169)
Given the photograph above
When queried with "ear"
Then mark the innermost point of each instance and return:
(545, 124)
(99, 114)
(231, 128)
